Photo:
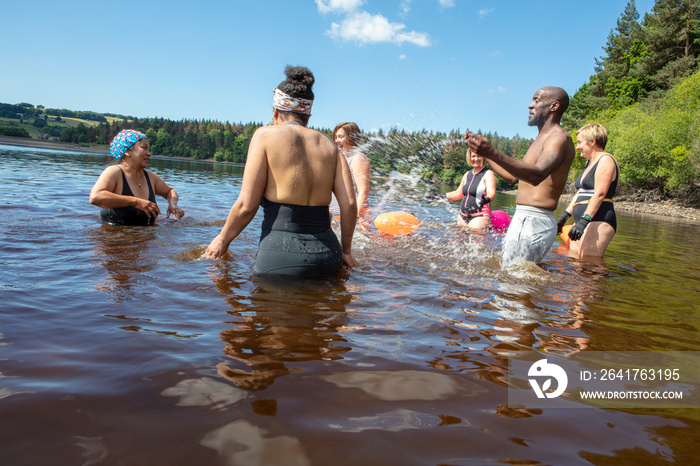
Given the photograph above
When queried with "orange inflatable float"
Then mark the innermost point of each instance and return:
(565, 234)
(396, 223)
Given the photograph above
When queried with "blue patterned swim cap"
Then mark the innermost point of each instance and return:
(123, 141)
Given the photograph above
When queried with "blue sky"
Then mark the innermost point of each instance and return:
(409, 64)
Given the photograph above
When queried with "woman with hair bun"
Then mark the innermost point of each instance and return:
(292, 171)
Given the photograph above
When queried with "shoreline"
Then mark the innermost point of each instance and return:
(623, 202)
(15, 141)
(39, 143)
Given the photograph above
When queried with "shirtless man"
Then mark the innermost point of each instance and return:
(542, 174)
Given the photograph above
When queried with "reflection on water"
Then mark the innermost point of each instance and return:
(404, 385)
(241, 442)
(277, 326)
(122, 346)
(124, 254)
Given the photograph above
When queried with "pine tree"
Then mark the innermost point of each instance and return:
(672, 39)
(615, 81)
(614, 72)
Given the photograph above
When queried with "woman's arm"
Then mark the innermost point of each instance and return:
(490, 181)
(245, 207)
(456, 195)
(345, 194)
(161, 188)
(561, 221)
(362, 171)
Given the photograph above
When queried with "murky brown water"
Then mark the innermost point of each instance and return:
(118, 346)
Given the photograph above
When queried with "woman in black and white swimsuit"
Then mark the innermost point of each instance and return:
(592, 207)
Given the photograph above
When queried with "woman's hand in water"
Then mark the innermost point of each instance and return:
(177, 212)
(151, 208)
(216, 249)
(349, 260)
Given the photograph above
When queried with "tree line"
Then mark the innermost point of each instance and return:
(202, 139)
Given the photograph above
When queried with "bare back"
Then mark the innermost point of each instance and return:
(553, 149)
(301, 165)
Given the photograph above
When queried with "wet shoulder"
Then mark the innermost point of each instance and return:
(316, 140)
(324, 139)
(362, 156)
(607, 160)
(263, 132)
(113, 171)
(110, 179)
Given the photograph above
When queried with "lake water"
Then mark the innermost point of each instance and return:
(120, 346)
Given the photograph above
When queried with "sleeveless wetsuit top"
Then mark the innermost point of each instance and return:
(587, 183)
(294, 218)
(586, 188)
(129, 215)
(298, 241)
(474, 190)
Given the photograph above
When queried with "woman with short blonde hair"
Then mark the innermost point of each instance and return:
(592, 207)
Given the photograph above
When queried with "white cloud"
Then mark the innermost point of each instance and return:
(366, 28)
(405, 7)
(447, 3)
(345, 6)
(484, 12)
(402, 56)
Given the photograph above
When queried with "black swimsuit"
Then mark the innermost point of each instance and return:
(586, 187)
(297, 240)
(129, 215)
(474, 190)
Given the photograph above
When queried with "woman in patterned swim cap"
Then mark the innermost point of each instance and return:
(126, 192)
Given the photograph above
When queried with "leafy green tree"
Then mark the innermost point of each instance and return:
(161, 142)
(614, 72)
(14, 131)
(659, 147)
(671, 32)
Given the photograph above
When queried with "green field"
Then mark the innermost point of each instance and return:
(65, 122)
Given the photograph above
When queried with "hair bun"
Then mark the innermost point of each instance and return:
(299, 82)
(301, 74)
